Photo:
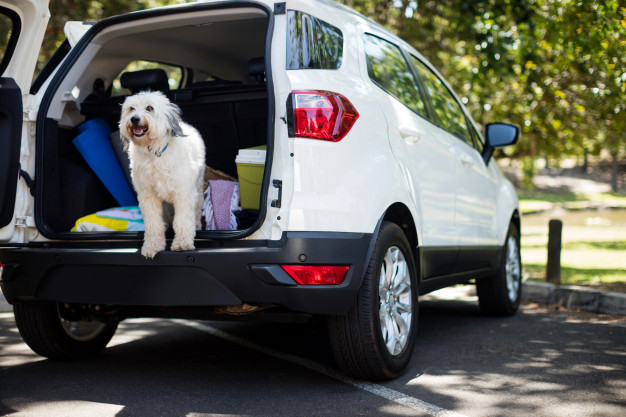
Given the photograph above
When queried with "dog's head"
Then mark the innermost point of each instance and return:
(148, 118)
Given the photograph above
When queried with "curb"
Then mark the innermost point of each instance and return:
(602, 302)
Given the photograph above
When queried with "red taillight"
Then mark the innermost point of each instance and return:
(317, 275)
(320, 115)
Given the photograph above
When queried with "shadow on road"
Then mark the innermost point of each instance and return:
(534, 364)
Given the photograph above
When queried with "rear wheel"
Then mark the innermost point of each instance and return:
(500, 294)
(45, 330)
(376, 338)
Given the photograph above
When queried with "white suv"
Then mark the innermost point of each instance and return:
(376, 185)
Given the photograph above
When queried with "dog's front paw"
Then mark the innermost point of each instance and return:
(150, 249)
(180, 245)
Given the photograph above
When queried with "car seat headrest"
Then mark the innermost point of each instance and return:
(150, 79)
(256, 67)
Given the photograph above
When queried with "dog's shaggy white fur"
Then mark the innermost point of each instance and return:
(167, 160)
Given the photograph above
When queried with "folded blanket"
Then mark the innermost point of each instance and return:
(117, 219)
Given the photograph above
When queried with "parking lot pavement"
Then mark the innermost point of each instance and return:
(539, 362)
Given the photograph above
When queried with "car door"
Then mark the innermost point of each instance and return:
(22, 27)
(475, 211)
(475, 216)
(422, 149)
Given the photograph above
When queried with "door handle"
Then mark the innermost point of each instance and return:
(466, 160)
(409, 134)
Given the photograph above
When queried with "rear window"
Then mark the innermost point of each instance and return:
(450, 116)
(312, 43)
(174, 75)
(388, 68)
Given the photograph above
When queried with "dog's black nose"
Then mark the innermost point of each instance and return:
(135, 119)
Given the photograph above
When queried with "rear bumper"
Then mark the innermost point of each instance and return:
(215, 274)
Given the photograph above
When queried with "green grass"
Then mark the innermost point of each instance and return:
(537, 200)
(540, 196)
(593, 241)
(609, 279)
(583, 246)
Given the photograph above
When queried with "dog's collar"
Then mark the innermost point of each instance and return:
(159, 152)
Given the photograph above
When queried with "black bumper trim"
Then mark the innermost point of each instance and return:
(230, 273)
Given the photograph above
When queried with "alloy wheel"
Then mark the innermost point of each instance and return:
(513, 269)
(395, 304)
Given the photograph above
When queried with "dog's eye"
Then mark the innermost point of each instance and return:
(131, 109)
(149, 109)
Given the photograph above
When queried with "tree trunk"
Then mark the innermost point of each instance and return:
(553, 265)
(614, 171)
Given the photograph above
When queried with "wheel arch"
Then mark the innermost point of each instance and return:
(517, 221)
(400, 214)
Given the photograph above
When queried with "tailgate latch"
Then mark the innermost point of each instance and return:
(278, 184)
(24, 221)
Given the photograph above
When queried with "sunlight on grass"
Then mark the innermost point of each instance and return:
(581, 259)
(615, 200)
(593, 246)
(531, 202)
(577, 276)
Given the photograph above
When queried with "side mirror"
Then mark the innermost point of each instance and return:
(501, 134)
(498, 135)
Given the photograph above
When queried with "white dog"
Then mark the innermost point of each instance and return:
(167, 160)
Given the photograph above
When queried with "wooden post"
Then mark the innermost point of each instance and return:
(553, 266)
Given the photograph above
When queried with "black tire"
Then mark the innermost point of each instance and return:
(500, 294)
(357, 338)
(47, 334)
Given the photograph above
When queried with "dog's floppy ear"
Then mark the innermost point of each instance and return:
(174, 120)
(125, 142)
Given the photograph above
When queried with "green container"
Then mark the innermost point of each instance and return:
(250, 166)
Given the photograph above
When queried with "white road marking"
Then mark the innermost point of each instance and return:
(376, 389)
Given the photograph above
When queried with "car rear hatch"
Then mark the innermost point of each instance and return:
(214, 56)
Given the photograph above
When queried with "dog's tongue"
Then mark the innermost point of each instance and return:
(138, 130)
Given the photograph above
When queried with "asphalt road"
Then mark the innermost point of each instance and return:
(537, 363)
